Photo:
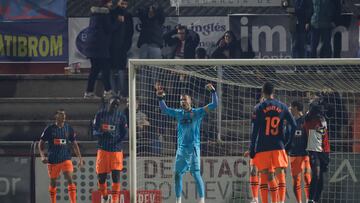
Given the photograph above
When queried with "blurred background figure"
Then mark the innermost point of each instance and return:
(121, 40)
(301, 16)
(98, 47)
(323, 16)
(150, 40)
(183, 41)
(227, 47)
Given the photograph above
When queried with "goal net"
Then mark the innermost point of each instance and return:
(225, 132)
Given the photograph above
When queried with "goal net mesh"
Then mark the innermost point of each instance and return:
(225, 132)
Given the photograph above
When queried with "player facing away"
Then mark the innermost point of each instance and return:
(267, 147)
(188, 138)
(318, 147)
(299, 159)
(254, 177)
(58, 136)
(110, 127)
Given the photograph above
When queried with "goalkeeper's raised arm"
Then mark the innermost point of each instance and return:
(164, 108)
(214, 98)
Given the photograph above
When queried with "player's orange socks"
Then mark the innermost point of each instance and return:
(264, 188)
(273, 187)
(282, 186)
(254, 183)
(297, 187)
(103, 189)
(115, 187)
(307, 181)
(52, 191)
(72, 192)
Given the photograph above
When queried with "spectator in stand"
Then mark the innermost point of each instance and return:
(98, 47)
(227, 47)
(200, 53)
(121, 40)
(150, 40)
(323, 15)
(300, 31)
(184, 41)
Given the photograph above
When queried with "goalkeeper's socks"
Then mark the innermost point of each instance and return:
(254, 183)
(202, 200)
(264, 188)
(115, 187)
(72, 192)
(178, 185)
(307, 181)
(52, 192)
(273, 187)
(297, 187)
(178, 200)
(199, 183)
(282, 186)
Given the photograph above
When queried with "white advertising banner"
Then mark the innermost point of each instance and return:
(210, 30)
(225, 3)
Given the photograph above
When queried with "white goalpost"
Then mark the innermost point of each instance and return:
(225, 132)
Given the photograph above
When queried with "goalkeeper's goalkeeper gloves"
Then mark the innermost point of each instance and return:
(210, 88)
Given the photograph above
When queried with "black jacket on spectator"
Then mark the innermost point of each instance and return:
(192, 40)
(303, 10)
(151, 28)
(121, 37)
(99, 33)
(233, 48)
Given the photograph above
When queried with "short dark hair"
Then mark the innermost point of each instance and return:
(268, 88)
(185, 95)
(59, 111)
(181, 27)
(299, 106)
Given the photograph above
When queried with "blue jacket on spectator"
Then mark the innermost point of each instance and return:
(99, 33)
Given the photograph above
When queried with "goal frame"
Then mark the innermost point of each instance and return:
(134, 63)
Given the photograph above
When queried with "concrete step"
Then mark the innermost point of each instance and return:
(54, 85)
(30, 130)
(44, 108)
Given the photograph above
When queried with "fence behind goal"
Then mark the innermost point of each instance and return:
(225, 133)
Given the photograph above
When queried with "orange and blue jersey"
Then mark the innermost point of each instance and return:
(268, 126)
(110, 129)
(58, 139)
(299, 139)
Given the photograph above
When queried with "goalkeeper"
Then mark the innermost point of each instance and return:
(188, 138)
